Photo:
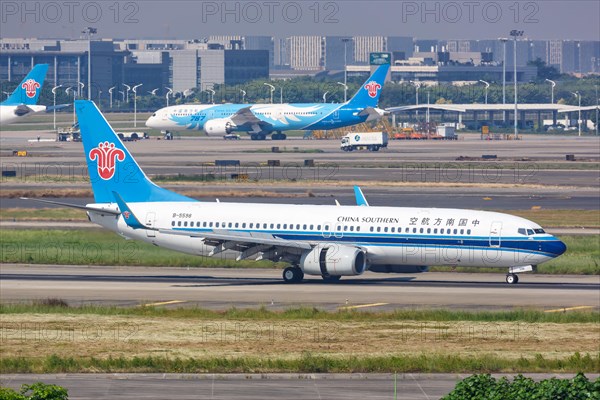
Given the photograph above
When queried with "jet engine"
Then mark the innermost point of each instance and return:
(218, 127)
(334, 260)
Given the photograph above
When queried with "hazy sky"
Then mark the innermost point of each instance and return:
(186, 19)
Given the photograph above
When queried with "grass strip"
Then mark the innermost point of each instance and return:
(91, 247)
(59, 307)
(306, 363)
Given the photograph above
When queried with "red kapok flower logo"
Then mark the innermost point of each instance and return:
(372, 87)
(107, 155)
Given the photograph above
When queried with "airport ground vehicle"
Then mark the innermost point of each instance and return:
(372, 141)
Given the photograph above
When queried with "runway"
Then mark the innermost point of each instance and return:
(225, 288)
(253, 386)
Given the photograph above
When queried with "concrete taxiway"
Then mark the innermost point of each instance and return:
(225, 288)
(253, 386)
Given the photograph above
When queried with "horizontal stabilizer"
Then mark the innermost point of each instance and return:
(86, 208)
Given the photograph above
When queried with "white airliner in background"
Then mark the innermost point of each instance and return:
(260, 120)
(327, 241)
(23, 100)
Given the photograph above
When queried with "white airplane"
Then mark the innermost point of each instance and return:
(322, 240)
(260, 120)
(23, 100)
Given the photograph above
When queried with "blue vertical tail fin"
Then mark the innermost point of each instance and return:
(110, 165)
(369, 92)
(28, 91)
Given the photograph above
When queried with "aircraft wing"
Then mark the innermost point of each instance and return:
(243, 242)
(245, 117)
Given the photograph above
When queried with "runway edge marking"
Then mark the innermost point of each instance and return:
(163, 303)
(363, 306)
(564, 309)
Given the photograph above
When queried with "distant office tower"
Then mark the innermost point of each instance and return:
(589, 54)
(364, 45)
(458, 46)
(555, 53)
(401, 45)
(538, 49)
(281, 53)
(306, 52)
(426, 46)
(334, 52)
(261, 43)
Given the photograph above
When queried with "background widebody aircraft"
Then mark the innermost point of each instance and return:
(260, 120)
(23, 100)
(327, 241)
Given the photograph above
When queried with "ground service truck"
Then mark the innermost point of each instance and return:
(372, 141)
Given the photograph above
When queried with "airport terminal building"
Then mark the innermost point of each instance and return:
(178, 64)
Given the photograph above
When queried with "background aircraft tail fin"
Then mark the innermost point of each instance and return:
(369, 92)
(110, 165)
(28, 91)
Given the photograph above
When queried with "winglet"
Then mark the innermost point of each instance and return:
(128, 216)
(361, 200)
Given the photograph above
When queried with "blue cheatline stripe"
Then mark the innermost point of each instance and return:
(478, 243)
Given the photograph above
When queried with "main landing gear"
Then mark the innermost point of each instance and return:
(293, 275)
(512, 279)
(278, 136)
(258, 136)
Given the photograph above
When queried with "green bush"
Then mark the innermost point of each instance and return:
(486, 387)
(35, 391)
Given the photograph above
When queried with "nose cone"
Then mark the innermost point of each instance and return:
(150, 122)
(554, 247)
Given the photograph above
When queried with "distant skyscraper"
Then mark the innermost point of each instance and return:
(261, 43)
(589, 55)
(281, 52)
(555, 53)
(334, 52)
(364, 45)
(306, 52)
(400, 44)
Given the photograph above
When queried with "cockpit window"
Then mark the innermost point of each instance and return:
(529, 232)
(539, 231)
(154, 115)
(522, 231)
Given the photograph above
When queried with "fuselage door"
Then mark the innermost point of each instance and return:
(150, 218)
(495, 234)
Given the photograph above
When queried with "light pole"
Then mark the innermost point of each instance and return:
(578, 95)
(134, 90)
(70, 88)
(243, 95)
(81, 86)
(504, 40)
(417, 87)
(553, 85)
(212, 95)
(110, 92)
(54, 102)
(153, 91)
(345, 89)
(6, 93)
(346, 40)
(325, 97)
(169, 91)
(127, 93)
(99, 98)
(123, 96)
(89, 31)
(487, 85)
(515, 34)
(272, 90)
